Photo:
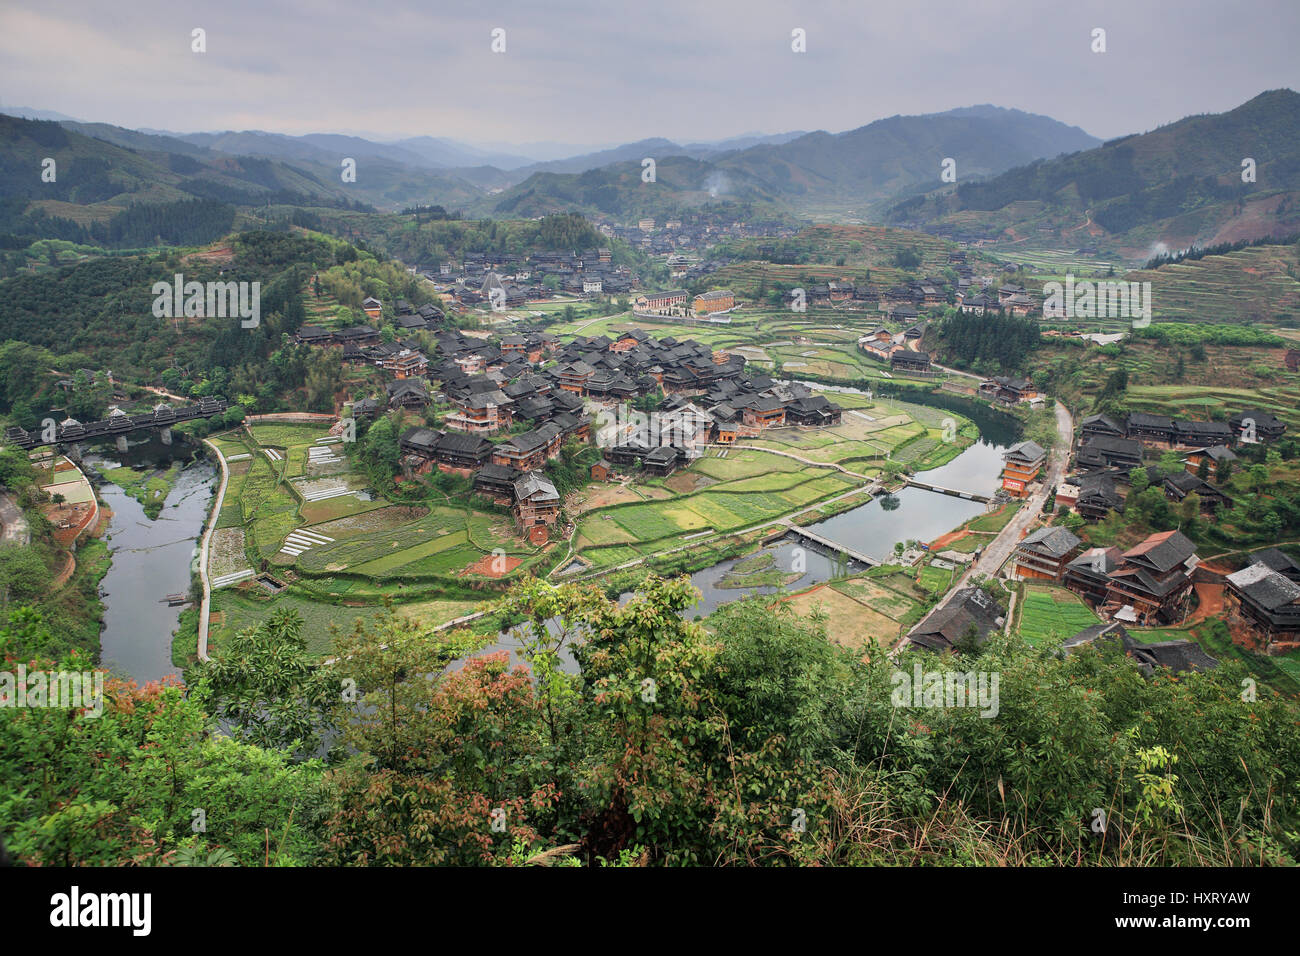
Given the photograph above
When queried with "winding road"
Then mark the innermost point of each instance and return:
(205, 607)
(996, 552)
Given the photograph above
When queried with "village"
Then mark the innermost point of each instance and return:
(498, 406)
(528, 379)
(1153, 585)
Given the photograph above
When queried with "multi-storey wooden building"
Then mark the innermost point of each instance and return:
(1265, 601)
(1022, 464)
(462, 454)
(1153, 579)
(530, 450)
(1088, 575)
(573, 377)
(537, 506)
(1044, 554)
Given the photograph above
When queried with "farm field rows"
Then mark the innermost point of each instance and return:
(876, 608)
(378, 543)
(1044, 611)
(1253, 284)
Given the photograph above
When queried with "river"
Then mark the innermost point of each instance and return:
(150, 559)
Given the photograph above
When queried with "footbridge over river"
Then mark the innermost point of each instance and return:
(952, 492)
(73, 433)
(806, 534)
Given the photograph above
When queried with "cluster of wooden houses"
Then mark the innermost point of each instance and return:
(365, 344)
(1148, 584)
(1157, 573)
(901, 350)
(1108, 452)
(532, 277)
(530, 379)
(730, 410)
(1008, 390)
(510, 472)
(1009, 298)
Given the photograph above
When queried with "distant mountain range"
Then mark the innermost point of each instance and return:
(1176, 186)
(789, 169)
(1020, 177)
(836, 175)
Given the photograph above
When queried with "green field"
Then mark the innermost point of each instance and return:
(389, 551)
(1045, 611)
(1256, 285)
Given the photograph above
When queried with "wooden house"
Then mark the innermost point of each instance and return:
(1022, 464)
(537, 506)
(1044, 554)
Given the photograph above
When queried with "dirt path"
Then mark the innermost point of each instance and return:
(1209, 602)
(69, 566)
(205, 608)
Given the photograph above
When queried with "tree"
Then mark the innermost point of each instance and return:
(266, 684)
(1259, 477)
(24, 576)
(323, 380)
(125, 786)
(969, 642)
(1171, 463)
(379, 450)
(441, 757)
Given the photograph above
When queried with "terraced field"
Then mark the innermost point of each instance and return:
(1282, 400)
(859, 248)
(1257, 284)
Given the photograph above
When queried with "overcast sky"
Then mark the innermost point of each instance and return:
(584, 72)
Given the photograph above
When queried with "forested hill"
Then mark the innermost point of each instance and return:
(99, 314)
(1178, 185)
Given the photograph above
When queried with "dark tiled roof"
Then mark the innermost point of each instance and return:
(1055, 542)
(1025, 451)
(1278, 560)
(1178, 656)
(1266, 587)
(1163, 551)
(535, 484)
(944, 628)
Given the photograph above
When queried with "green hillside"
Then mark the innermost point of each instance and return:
(1175, 186)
